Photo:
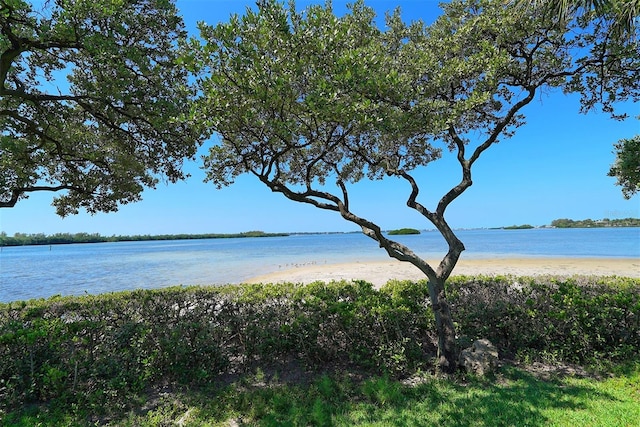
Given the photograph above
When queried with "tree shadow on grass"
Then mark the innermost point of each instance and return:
(513, 398)
(516, 398)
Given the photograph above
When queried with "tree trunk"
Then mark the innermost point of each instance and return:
(447, 353)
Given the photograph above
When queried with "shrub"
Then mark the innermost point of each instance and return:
(106, 346)
(579, 319)
(94, 349)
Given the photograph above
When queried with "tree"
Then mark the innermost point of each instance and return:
(310, 103)
(91, 98)
(621, 13)
(627, 166)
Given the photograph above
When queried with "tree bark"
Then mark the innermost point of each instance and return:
(447, 351)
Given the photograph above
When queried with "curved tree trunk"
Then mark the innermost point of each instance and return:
(447, 352)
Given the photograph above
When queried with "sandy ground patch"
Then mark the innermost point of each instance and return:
(380, 272)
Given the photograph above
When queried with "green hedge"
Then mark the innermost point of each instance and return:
(93, 349)
(579, 320)
(99, 347)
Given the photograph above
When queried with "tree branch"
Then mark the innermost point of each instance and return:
(16, 193)
(466, 181)
(456, 247)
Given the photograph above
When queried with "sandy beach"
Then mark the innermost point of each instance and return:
(380, 272)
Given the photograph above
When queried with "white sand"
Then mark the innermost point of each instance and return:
(380, 272)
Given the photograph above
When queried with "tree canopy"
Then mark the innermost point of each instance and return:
(310, 103)
(302, 98)
(91, 99)
(627, 165)
(622, 14)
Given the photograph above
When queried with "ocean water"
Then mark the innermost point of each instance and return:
(42, 271)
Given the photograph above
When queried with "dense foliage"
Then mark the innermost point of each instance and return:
(95, 349)
(573, 320)
(22, 239)
(627, 166)
(622, 13)
(90, 101)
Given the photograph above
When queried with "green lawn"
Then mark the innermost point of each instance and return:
(513, 397)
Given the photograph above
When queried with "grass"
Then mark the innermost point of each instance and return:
(513, 397)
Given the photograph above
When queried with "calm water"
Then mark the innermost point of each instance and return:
(42, 271)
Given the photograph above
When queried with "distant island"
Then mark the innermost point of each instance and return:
(22, 239)
(403, 231)
(589, 223)
(519, 227)
(584, 223)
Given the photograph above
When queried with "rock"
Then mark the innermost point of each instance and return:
(480, 359)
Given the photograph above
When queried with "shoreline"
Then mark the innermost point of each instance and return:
(380, 272)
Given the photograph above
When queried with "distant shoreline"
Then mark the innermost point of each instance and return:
(41, 239)
(67, 238)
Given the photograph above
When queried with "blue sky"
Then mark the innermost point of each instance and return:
(554, 167)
